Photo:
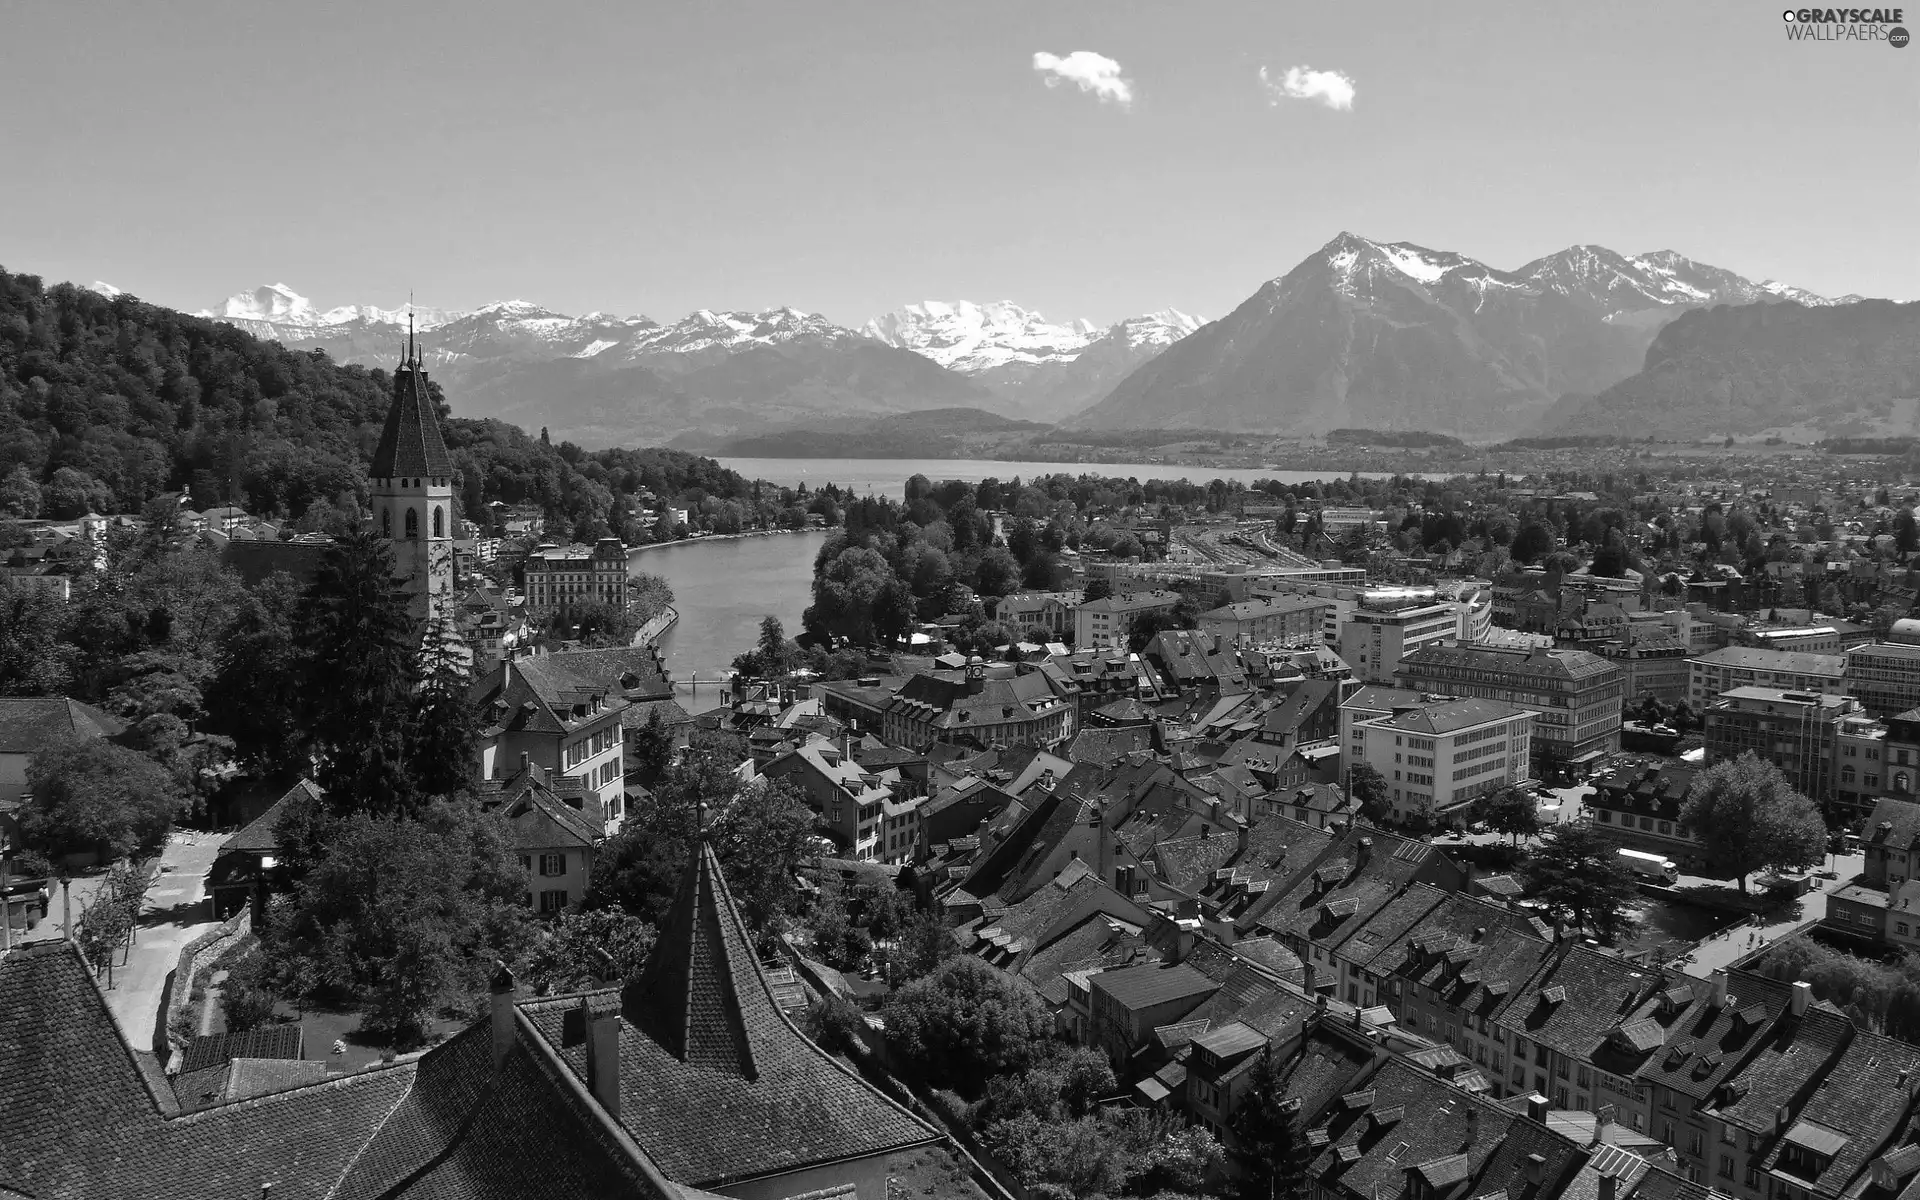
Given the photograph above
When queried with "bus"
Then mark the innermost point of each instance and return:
(1653, 867)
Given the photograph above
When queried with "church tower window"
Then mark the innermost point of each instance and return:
(386, 523)
(437, 522)
(413, 523)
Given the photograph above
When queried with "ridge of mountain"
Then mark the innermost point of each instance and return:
(1395, 335)
(1766, 369)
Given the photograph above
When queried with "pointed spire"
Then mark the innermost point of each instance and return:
(413, 352)
(702, 996)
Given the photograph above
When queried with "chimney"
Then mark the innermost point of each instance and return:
(1473, 1122)
(1609, 1188)
(603, 1058)
(1718, 980)
(1906, 1080)
(1312, 977)
(1537, 1107)
(1243, 834)
(500, 1012)
(1320, 1004)
(524, 760)
(1802, 993)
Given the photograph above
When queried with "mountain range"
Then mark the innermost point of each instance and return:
(1397, 336)
(1381, 335)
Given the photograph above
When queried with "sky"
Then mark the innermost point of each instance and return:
(1086, 160)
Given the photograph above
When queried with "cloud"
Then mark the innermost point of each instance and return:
(1091, 72)
(1331, 88)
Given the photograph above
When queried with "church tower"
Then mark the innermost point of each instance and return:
(413, 490)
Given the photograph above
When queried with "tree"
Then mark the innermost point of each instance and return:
(89, 794)
(585, 949)
(965, 1023)
(649, 750)
(1577, 874)
(248, 698)
(1369, 789)
(443, 752)
(758, 830)
(1512, 811)
(923, 945)
(1267, 1126)
(1098, 588)
(1531, 543)
(403, 914)
(354, 641)
(1747, 816)
(772, 646)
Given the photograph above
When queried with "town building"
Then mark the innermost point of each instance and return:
(1107, 622)
(555, 578)
(555, 826)
(851, 804)
(1636, 801)
(1386, 626)
(1575, 695)
(1283, 619)
(411, 479)
(1799, 732)
(1652, 665)
(973, 707)
(1051, 611)
(1710, 675)
(1884, 677)
(1439, 757)
(561, 719)
(30, 724)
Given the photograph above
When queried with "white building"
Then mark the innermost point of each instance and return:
(1387, 626)
(1441, 756)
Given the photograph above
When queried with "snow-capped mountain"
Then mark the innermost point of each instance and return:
(1393, 335)
(971, 338)
(608, 378)
(1045, 370)
(278, 304)
(105, 289)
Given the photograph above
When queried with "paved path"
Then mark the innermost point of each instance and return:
(176, 912)
(1738, 941)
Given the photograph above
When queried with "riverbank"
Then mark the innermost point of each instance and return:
(656, 626)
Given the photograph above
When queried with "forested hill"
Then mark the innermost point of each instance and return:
(105, 403)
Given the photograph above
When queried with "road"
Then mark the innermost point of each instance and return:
(1738, 941)
(177, 911)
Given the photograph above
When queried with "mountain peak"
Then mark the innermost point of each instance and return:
(102, 288)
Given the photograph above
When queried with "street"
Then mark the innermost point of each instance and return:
(176, 912)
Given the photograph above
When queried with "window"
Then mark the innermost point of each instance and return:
(553, 864)
(1753, 1176)
(1726, 1166)
(438, 521)
(553, 901)
(386, 522)
(413, 523)
(1694, 1143)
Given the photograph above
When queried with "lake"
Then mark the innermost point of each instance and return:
(888, 476)
(722, 588)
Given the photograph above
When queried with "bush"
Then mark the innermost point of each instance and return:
(30, 864)
(965, 1023)
(952, 1108)
(247, 998)
(835, 1025)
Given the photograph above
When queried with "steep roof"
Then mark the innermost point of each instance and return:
(88, 1117)
(261, 835)
(410, 442)
(29, 724)
(715, 1082)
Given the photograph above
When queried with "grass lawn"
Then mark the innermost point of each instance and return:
(322, 1027)
(930, 1173)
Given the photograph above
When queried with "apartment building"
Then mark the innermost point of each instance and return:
(1386, 626)
(1440, 757)
(1051, 611)
(1636, 802)
(1105, 623)
(1799, 732)
(1281, 619)
(557, 714)
(554, 578)
(1709, 675)
(1575, 695)
(1884, 677)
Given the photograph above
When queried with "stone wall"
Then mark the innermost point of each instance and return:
(197, 957)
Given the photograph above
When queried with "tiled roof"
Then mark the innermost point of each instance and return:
(256, 560)
(1708, 1041)
(268, 1041)
(1794, 1053)
(1793, 661)
(86, 1117)
(1860, 1096)
(1579, 998)
(1434, 1126)
(635, 671)
(704, 1041)
(1145, 986)
(29, 724)
(410, 442)
(261, 835)
(1902, 821)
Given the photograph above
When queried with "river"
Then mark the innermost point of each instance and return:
(722, 587)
